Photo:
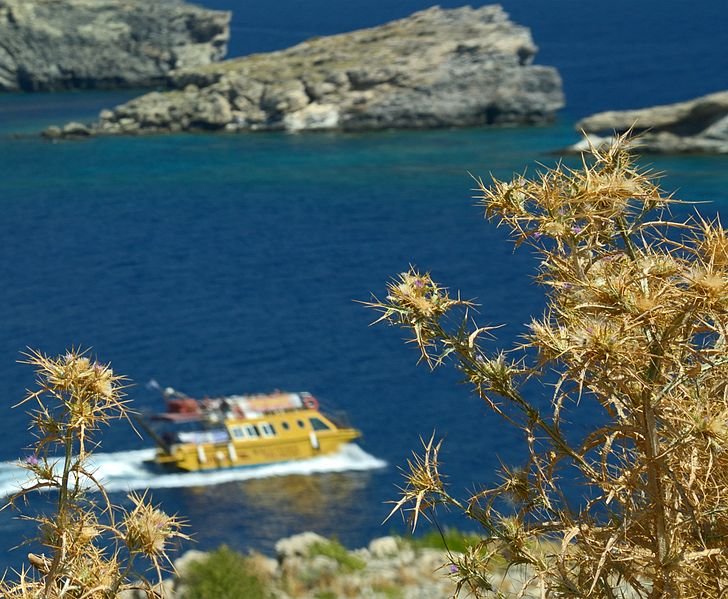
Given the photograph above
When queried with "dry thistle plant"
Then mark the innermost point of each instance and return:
(635, 324)
(94, 548)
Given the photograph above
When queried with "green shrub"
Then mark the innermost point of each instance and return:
(223, 574)
(449, 539)
(338, 552)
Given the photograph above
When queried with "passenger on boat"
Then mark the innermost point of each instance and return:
(226, 408)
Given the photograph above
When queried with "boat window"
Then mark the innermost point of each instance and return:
(285, 426)
(251, 432)
(212, 436)
(301, 424)
(319, 425)
(267, 430)
(237, 432)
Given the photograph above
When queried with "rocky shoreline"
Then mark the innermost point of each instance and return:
(436, 68)
(84, 44)
(308, 566)
(696, 126)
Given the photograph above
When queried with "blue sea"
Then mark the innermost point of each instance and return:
(222, 264)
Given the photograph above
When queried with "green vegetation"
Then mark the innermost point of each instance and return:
(336, 551)
(635, 327)
(450, 539)
(388, 589)
(223, 574)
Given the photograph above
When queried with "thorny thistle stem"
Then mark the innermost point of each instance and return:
(91, 555)
(636, 323)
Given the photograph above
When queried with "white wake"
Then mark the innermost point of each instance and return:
(127, 471)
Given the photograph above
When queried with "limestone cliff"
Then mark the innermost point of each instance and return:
(436, 68)
(695, 126)
(62, 44)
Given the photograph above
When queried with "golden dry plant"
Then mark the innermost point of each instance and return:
(635, 325)
(92, 549)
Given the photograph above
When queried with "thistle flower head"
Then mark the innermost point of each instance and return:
(415, 300)
(85, 393)
(149, 530)
(574, 206)
(471, 570)
(708, 283)
(499, 374)
(424, 485)
(712, 243)
(419, 295)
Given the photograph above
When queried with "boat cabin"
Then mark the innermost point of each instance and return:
(242, 430)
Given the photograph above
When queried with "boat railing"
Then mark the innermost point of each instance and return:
(340, 419)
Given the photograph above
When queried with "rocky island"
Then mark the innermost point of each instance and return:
(65, 44)
(436, 68)
(695, 126)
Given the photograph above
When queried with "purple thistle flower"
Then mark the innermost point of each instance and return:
(31, 460)
(453, 568)
(576, 229)
(418, 283)
(537, 235)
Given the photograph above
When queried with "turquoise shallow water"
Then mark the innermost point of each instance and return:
(221, 264)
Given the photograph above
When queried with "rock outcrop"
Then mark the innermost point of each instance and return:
(64, 44)
(306, 568)
(696, 126)
(436, 68)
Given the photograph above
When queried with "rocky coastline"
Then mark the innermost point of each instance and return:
(436, 68)
(308, 566)
(698, 126)
(83, 44)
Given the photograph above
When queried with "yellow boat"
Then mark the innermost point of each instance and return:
(245, 430)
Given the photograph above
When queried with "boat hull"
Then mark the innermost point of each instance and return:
(191, 457)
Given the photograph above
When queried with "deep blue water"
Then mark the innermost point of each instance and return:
(221, 264)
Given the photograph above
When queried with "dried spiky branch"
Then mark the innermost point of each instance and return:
(91, 555)
(636, 323)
